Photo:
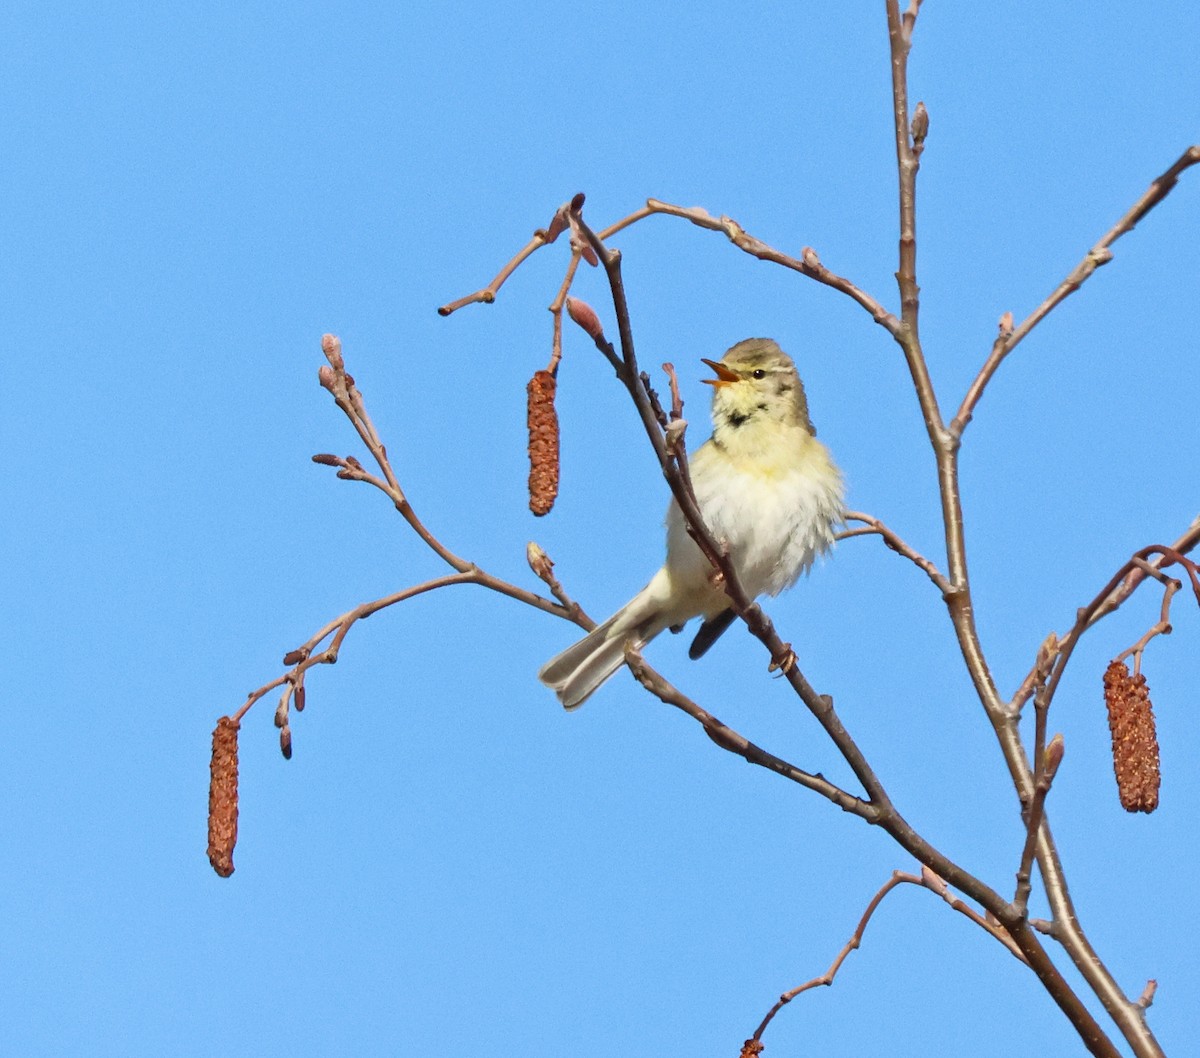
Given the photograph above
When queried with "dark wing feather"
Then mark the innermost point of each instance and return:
(709, 633)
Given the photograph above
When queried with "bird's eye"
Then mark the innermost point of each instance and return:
(760, 373)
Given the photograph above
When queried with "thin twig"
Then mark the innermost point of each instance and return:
(873, 526)
(302, 658)
(734, 742)
(556, 309)
(1119, 588)
(900, 31)
(926, 880)
(1100, 254)
(543, 568)
(1161, 627)
(1147, 996)
(807, 264)
(541, 237)
(1046, 770)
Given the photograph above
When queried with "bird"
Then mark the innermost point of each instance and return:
(767, 489)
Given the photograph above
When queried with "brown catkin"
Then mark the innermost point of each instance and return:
(1134, 741)
(223, 797)
(543, 443)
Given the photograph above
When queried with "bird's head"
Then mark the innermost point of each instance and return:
(756, 384)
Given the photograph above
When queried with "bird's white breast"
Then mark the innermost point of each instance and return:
(775, 509)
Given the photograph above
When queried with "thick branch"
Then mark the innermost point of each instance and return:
(961, 608)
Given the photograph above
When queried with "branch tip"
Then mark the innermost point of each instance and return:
(331, 346)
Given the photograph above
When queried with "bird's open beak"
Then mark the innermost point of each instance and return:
(724, 374)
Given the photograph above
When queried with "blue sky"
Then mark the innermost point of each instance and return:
(450, 864)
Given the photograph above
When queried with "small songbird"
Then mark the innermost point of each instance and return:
(766, 487)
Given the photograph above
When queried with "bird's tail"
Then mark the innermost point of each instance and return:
(575, 673)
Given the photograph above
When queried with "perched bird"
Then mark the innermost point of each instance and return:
(766, 487)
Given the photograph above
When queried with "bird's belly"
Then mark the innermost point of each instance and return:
(774, 526)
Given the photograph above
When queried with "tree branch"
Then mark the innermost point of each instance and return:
(873, 526)
(807, 264)
(926, 880)
(673, 461)
(1119, 588)
(1100, 254)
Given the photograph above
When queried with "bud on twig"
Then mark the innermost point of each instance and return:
(1134, 739)
(331, 346)
(558, 223)
(1052, 757)
(539, 561)
(675, 432)
(543, 443)
(581, 246)
(223, 797)
(584, 315)
(920, 127)
(1046, 654)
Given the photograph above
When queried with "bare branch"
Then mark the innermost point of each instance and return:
(926, 880)
(541, 237)
(1046, 770)
(808, 264)
(1119, 588)
(873, 526)
(1161, 627)
(556, 309)
(302, 658)
(543, 568)
(907, 162)
(1098, 255)
(1147, 996)
(730, 740)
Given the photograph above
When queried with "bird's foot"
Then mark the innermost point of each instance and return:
(784, 660)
